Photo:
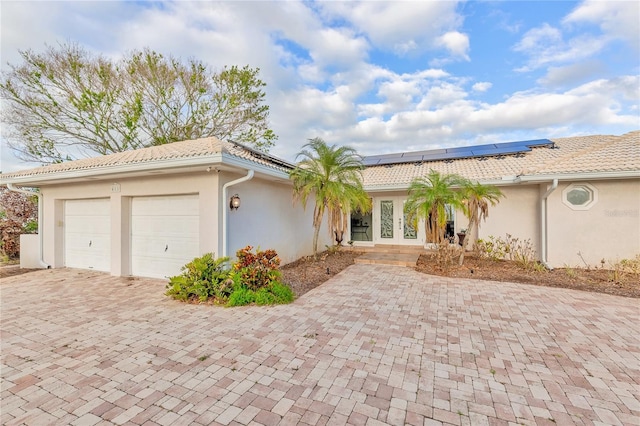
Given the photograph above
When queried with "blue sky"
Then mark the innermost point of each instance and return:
(382, 76)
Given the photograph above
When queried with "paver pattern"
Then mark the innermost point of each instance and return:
(374, 345)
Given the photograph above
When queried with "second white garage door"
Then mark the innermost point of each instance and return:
(164, 234)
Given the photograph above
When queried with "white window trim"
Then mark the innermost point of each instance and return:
(588, 205)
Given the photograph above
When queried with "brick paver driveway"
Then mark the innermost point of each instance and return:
(374, 345)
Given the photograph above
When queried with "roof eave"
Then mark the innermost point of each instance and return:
(148, 166)
(622, 174)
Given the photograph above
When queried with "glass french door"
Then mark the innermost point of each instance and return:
(391, 224)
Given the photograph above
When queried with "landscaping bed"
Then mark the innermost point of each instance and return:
(306, 274)
(598, 280)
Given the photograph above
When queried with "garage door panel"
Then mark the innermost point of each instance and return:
(164, 234)
(172, 205)
(82, 224)
(166, 226)
(177, 248)
(87, 238)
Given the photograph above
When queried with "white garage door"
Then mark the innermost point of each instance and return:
(164, 234)
(87, 234)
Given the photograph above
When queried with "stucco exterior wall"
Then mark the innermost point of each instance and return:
(517, 214)
(609, 230)
(268, 219)
(120, 192)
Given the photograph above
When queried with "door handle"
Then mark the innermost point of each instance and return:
(90, 243)
(166, 247)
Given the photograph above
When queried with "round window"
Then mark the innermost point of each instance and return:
(580, 196)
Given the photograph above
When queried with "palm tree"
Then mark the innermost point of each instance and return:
(476, 200)
(333, 176)
(428, 197)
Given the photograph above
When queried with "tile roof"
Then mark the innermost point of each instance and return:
(583, 154)
(204, 147)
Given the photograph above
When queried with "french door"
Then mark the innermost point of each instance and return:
(391, 224)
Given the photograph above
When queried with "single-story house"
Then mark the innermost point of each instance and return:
(149, 211)
(576, 199)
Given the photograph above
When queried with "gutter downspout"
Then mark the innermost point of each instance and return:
(40, 218)
(543, 224)
(249, 176)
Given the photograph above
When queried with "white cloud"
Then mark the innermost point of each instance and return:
(571, 74)
(397, 26)
(545, 46)
(482, 86)
(456, 43)
(617, 19)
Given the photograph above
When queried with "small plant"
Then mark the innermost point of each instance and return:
(241, 296)
(446, 255)
(257, 270)
(257, 279)
(491, 249)
(203, 357)
(333, 249)
(203, 278)
(586, 265)
(511, 248)
(571, 272)
(624, 267)
(631, 266)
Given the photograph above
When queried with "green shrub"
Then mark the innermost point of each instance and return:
(257, 270)
(275, 293)
(254, 278)
(202, 278)
(241, 296)
(282, 292)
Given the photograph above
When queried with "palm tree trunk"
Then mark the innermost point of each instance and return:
(316, 232)
(317, 224)
(465, 243)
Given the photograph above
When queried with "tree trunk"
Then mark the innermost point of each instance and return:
(316, 232)
(466, 242)
(318, 212)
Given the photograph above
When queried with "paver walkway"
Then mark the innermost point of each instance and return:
(374, 345)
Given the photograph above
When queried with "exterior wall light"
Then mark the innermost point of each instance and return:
(234, 202)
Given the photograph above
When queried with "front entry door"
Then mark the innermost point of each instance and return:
(391, 224)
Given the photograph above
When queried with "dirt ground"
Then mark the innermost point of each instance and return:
(306, 274)
(595, 280)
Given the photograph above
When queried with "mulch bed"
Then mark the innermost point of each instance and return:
(306, 274)
(594, 280)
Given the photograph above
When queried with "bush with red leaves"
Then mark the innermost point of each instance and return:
(18, 215)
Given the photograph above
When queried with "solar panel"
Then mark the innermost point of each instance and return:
(412, 158)
(498, 151)
(477, 151)
(370, 161)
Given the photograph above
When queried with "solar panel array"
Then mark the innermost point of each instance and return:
(478, 151)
